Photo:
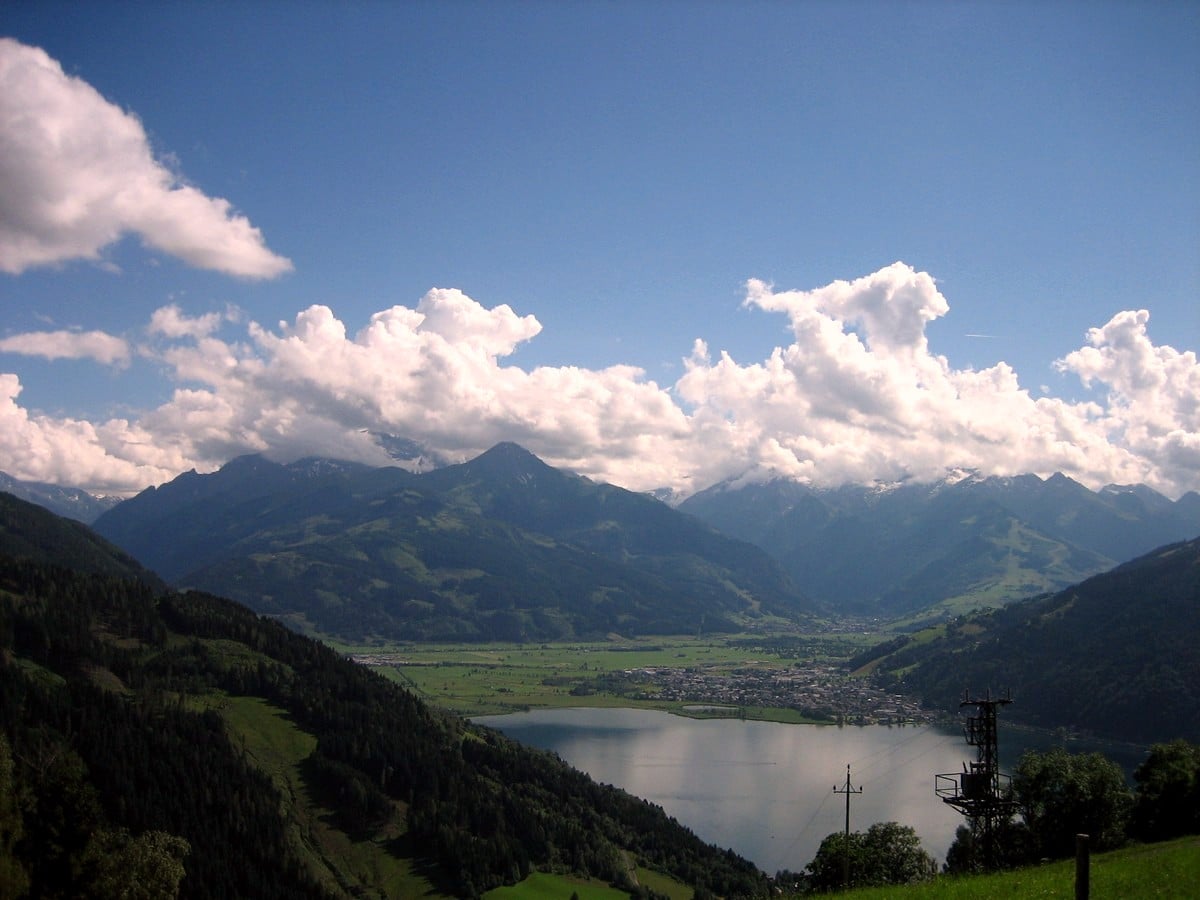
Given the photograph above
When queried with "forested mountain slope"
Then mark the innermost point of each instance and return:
(139, 726)
(1118, 655)
(501, 548)
(29, 531)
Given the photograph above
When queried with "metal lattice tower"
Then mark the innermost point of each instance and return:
(983, 794)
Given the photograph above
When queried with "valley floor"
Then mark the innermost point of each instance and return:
(782, 678)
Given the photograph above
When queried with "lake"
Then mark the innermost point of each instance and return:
(763, 789)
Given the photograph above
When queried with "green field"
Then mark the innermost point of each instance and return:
(1167, 870)
(483, 679)
(543, 886)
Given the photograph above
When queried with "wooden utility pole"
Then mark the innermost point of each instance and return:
(847, 790)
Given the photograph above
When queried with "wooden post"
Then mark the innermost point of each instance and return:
(1082, 866)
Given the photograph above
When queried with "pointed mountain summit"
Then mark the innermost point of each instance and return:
(507, 460)
(504, 469)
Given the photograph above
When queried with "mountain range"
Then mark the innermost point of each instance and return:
(503, 547)
(948, 547)
(506, 547)
(71, 502)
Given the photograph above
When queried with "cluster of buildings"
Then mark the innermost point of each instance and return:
(817, 690)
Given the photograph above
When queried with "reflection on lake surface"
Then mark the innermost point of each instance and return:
(762, 788)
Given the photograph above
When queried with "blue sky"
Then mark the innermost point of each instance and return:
(619, 172)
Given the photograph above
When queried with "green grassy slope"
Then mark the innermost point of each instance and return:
(356, 862)
(1166, 870)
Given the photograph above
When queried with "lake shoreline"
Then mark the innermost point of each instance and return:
(759, 787)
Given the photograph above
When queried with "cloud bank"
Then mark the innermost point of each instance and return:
(857, 395)
(77, 173)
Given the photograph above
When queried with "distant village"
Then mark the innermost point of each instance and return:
(816, 690)
(820, 691)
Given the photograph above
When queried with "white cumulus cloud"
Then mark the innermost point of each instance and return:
(171, 322)
(855, 395)
(77, 173)
(114, 457)
(95, 345)
(858, 397)
(1153, 403)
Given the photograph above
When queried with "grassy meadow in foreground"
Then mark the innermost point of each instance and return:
(1167, 870)
(543, 886)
